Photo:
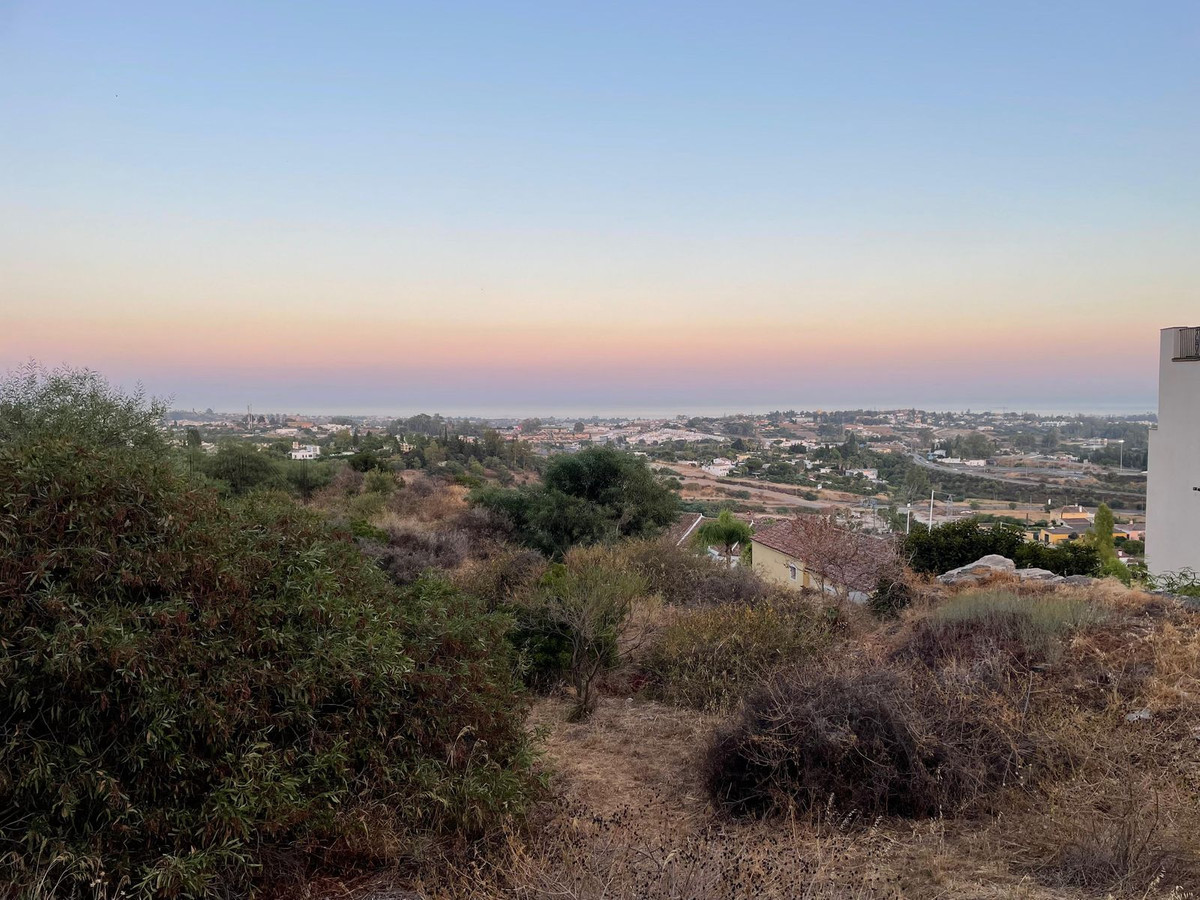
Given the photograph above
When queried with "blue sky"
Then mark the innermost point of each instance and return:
(621, 203)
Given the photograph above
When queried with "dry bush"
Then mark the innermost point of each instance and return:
(877, 742)
(410, 552)
(706, 658)
(640, 853)
(486, 529)
(424, 499)
(685, 578)
(1124, 835)
(508, 576)
(977, 624)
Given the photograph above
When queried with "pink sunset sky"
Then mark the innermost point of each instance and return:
(543, 210)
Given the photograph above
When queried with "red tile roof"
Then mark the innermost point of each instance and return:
(852, 559)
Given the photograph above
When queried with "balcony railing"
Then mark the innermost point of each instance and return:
(1187, 343)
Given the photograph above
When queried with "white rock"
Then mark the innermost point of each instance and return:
(1039, 575)
(992, 564)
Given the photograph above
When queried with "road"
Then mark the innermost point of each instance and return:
(767, 493)
(1042, 486)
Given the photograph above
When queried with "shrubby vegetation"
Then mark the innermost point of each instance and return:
(1026, 629)
(708, 658)
(596, 495)
(190, 688)
(946, 547)
(203, 682)
(874, 742)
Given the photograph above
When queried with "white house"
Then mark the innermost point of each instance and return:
(1173, 482)
(305, 451)
(720, 467)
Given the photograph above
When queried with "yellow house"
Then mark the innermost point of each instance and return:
(1060, 534)
(780, 567)
(811, 553)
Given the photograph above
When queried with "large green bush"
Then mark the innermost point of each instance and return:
(597, 495)
(946, 547)
(190, 689)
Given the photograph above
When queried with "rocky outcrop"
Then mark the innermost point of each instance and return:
(985, 567)
(1043, 575)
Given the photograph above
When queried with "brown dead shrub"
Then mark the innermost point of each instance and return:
(875, 742)
(1123, 835)
(684, 577)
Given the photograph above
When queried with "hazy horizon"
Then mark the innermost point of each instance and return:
(568, 413)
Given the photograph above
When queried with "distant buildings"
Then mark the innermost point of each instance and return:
(305, 451)
(719, 467)
(1173, 483)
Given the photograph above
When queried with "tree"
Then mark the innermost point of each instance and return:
(243, 468)
(579, 428)
(726, 532)
(596, 495)
(1102, 533)
(589, 598)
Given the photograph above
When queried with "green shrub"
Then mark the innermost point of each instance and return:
(574, 623)
(379, 481)
(599, 494)
(1067, 558)
(1114, 568)
(891, 595)
(1184, 583)
(708, 657)
(188, 688)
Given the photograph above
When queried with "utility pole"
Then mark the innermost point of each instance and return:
(931, 509)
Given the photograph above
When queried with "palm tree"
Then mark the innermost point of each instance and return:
(725, 531)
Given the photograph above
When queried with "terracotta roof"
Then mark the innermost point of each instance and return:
(850, 558)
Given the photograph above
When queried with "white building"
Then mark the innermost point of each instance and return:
(720, 467)
(305, 451)
(869, 474)
(1173, 483)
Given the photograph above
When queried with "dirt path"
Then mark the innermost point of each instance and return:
(629, 754)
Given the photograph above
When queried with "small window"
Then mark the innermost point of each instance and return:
(792, 571)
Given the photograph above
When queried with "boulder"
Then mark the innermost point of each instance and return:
(1044, 575)
(1078, 579)
(992, 564)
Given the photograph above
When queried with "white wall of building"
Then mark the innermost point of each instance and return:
(1173, 486)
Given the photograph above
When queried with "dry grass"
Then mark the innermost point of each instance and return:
(1119, 819)
(630, 822)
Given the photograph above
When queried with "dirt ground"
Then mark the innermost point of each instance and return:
(636, 765)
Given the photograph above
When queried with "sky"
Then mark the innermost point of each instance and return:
(575, 208)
